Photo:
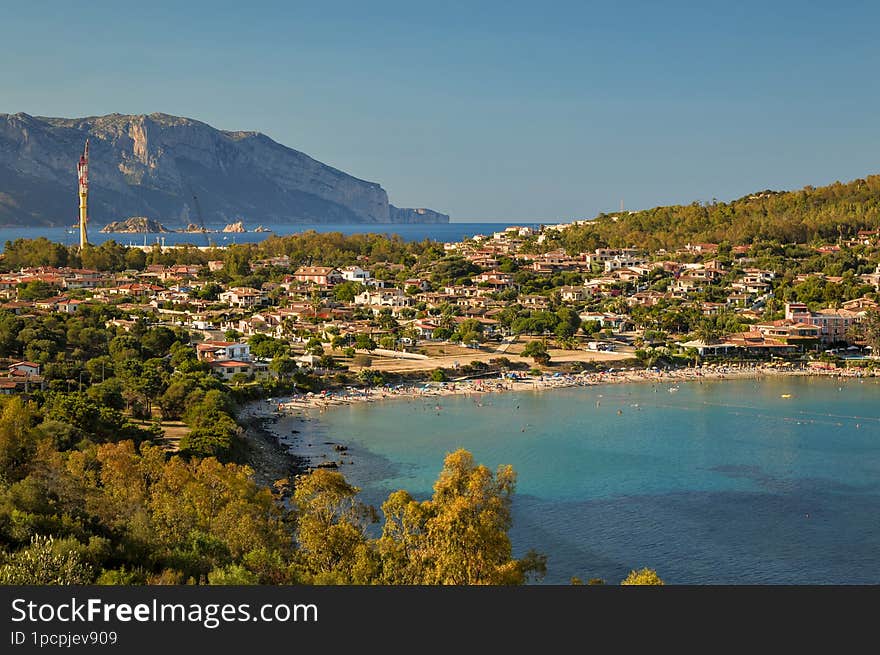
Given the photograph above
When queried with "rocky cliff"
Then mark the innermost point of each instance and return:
(154, 165)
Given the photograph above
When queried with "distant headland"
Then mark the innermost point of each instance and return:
(180, 169)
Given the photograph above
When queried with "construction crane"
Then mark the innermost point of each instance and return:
(82, 169)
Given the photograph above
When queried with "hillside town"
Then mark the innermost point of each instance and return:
(509, 295)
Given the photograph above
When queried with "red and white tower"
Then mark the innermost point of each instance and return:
(82, 169)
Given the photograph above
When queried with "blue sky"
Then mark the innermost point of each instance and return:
(485, 110)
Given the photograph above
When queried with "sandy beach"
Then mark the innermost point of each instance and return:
(542, 383)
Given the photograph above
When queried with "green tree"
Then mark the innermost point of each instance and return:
(18, 440)
(868, 330)
(364, 341)
(35, 290)
(282, 366)
(346, 291)
(537, 351)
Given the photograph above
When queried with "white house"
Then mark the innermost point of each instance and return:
(383, 297)
(356, 274)
(223, 350)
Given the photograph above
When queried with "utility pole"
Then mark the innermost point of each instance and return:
(82, 169)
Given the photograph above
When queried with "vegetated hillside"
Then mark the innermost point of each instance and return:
(802, 216)
(153, 166)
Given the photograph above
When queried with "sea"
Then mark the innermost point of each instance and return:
(773, 481)
(444, 232)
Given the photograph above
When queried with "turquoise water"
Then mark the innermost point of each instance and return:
(716, 483)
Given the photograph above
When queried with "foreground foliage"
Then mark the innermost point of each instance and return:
(117, 513)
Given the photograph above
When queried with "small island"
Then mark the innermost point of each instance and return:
(135, 225)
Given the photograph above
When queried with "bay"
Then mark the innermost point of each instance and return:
(719, 482)
(444, 232)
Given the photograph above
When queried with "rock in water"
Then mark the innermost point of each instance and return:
(135, 225)
(192, 227)
(238, 226)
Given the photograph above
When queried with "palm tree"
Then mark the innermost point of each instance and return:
(315, 302)
(707, 333)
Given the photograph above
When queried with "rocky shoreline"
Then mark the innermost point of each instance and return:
(270, 459)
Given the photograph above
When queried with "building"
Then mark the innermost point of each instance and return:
(243, 297)
(59, 304)
(392, 297)
(213, 351)
(355, 274)
(623, 261)
(24, 368)
(320, 275)
(573, 293)
(229, 367)
(277, 262)
(791, 332)
(834, 324)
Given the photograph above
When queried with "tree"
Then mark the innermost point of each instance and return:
(213, 433)
(569, 322)
(645, 576)
(331, 528)
(364, 341)
(35, 290)
(209, 291)
(459, 536)
(438, 375)
(707, 333)
(469, 331)
(537, 351)
(868, 330)
(267, 347)
(346, 291)
(282, 366)
(18, 440)
(172, 402)
(158, 340)
(315, 347)
(236, 261)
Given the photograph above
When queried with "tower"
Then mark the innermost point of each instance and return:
(82, 169)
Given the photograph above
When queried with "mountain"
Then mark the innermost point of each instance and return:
(152, 165)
